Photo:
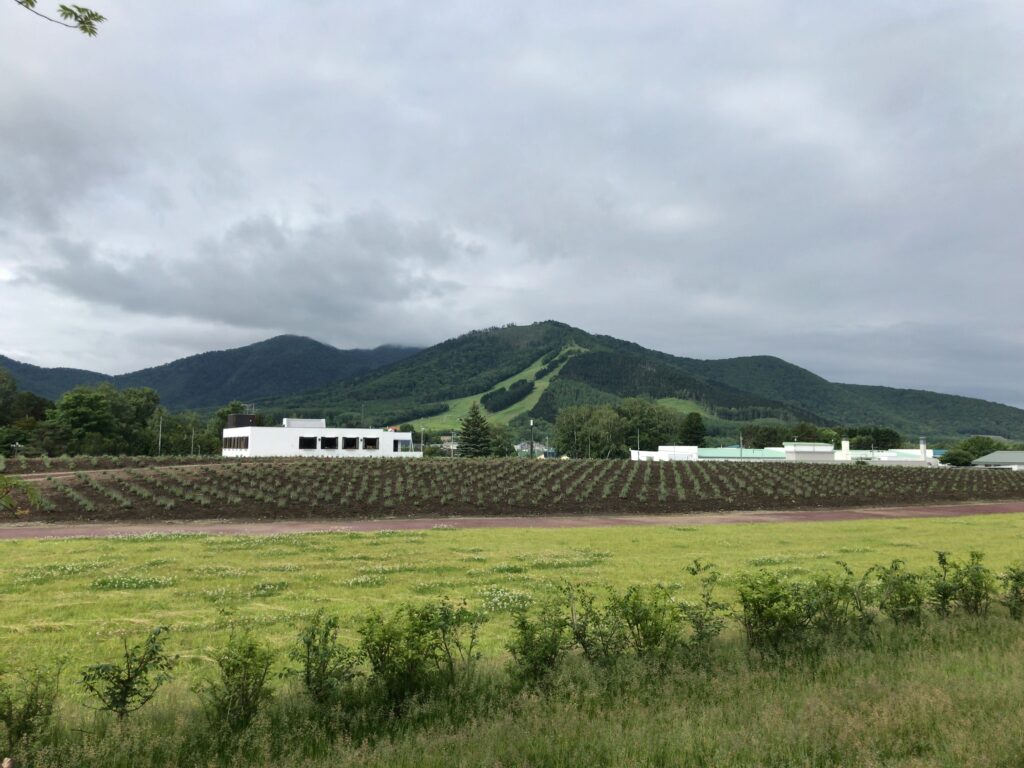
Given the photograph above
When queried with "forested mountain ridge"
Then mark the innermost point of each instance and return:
(603, 369)
(566, 365)
(278, 366)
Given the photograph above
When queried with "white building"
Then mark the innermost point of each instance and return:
(312, 437)
(823, 453)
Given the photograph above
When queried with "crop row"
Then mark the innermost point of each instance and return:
(352, 487)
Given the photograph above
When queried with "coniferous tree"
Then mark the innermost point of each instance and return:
(693, 431)
(474, 434)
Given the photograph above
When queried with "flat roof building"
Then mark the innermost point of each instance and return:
(312, 437)
(1001, 460)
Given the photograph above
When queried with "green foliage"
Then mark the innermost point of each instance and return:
(775, 614)
(241, 687)
(417, 649)
(126, 686)
(12, 488)
(539, 643)
(1012, 580)
(327, 666)
(27, 706)
(77, 17)
(901, 593)
(474, 434)
(693, 431)
(500, 399)
(966, 451)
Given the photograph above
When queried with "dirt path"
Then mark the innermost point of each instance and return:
(266, 528)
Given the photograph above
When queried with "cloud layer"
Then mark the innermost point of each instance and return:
(837, 184)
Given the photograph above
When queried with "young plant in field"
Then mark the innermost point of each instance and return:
(1012, 597)
(706, 615)
(901, 593)
(126, 686)
(27, 707)
(327, 666)
(240, 689)
(538, 644)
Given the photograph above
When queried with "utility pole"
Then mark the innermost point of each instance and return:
(192, 445)
(160, 437)
(531, 438)
(638, 440)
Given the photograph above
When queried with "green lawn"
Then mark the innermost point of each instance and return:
(64, 597)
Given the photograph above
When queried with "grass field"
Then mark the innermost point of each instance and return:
(75, 597)
(946, 693)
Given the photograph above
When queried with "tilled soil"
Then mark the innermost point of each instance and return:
(269, 528)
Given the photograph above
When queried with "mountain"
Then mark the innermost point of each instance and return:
(294, 375)
(569, 366)
(278, 366)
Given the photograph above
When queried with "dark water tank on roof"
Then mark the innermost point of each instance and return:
(242, 420)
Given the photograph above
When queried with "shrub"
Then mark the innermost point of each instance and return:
(398, 654)
(26, 709)
(1012, 580)
(234, 698)
(774, 614)
(452, 630)
(538, 645)
(650, 618)
(600, 634)
(841, 607)
(706, 616)
(976, 585)
(327, 665)
(127, 686)
(901, 593)
(942, 586)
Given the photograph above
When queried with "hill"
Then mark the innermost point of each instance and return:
(570, 366)
(278, 366)
(528, 371)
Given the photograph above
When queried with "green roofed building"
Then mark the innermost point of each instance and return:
(1001, 460)
(741, 454)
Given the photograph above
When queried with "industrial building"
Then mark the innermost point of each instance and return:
(821, 453)
(312, 437)
(1001, 460)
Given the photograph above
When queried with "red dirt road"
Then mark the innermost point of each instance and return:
(268, 528)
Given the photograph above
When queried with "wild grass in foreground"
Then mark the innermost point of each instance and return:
(890, 667)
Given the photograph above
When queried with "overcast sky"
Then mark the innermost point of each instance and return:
(840, 184)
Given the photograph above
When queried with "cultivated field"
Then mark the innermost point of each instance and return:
(327, 488)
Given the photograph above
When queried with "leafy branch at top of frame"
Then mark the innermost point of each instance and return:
(85, 20)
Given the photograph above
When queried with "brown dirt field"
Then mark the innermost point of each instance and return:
(264, 528)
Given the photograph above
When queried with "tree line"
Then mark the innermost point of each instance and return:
(99, 420)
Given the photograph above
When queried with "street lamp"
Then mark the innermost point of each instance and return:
(531, 438)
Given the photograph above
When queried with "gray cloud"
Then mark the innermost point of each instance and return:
(837, 184)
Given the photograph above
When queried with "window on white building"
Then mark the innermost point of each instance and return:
(329, 443)
(350, 443)
(307, 443)
(371, 443)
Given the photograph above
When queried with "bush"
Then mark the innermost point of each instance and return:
(538, 645)
(235, 697)
(651, 620)
(774, 614)
(976, 585)
(1012, 580)
(600, 634)
(901, 593)
(706, 616)
(26, 709)
(125, 687)
(942, 586)
(327, 665)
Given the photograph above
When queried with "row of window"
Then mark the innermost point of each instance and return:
(235, 442)
(347, 443)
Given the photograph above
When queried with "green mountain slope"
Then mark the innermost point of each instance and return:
(277, 366)
(436, 386)
(50, 383)
(907, 410)
(568, 366)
